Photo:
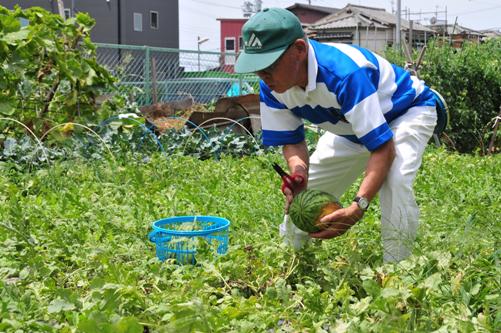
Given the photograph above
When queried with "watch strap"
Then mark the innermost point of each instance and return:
(362, 202)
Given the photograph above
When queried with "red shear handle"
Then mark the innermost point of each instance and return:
(295, 183)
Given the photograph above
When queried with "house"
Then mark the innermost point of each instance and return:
(231, 30)
(457, 34)
(231, 41)
(308, 14)
(153, 23)
(369, 27)
(491, 33)
(146, 22)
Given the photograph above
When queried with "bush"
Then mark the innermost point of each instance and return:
(470, 80)
(48, 68)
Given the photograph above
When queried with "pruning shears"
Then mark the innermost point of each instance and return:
(287, 179)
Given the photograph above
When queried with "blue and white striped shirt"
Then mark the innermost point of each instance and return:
(351, 92)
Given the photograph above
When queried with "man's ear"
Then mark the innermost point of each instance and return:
(301, 46)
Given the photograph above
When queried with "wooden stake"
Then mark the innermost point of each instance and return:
(492, 148)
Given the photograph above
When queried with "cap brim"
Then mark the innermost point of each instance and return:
(253, 62)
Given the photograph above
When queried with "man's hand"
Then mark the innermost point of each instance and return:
(339, 222)
(297, 159)
(298, 183)
(375, 173)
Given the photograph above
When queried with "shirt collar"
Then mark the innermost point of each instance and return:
(312, 70)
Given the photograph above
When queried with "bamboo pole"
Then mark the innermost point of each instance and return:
(492, 148)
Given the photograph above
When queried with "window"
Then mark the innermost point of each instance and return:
(138, 22)
(240, 43)
(67, 13)
(153, 20)
(229, 44)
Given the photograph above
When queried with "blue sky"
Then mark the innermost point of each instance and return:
(198, 17)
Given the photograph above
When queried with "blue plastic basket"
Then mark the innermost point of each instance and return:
(178, 237)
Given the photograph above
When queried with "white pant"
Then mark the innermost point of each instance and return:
(337, 163)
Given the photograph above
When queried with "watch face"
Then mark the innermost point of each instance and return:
(363, 203)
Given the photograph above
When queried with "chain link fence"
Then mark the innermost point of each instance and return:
(155, 74)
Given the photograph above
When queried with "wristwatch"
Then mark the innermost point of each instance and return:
(362, 202)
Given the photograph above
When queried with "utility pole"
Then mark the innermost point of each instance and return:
(200, 40)
(258, 5)
(399, 23)
(446, 30)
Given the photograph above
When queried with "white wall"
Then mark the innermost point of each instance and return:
(375, 40)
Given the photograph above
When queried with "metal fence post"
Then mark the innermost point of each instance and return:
(147, 75)
(240, 83)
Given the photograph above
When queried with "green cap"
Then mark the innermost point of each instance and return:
(266, 36)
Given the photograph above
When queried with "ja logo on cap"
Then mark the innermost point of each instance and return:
(254, 42)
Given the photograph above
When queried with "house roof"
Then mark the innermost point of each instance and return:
(455, 29)
(347, 21)
(493, 32)
(363, 16)
(327, 10)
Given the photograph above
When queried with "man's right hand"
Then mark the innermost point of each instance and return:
(297, 159)
(291, 188)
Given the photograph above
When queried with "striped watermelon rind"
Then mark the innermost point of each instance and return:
(309, 206)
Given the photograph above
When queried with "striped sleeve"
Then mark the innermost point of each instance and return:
(280, 126)
(357, 94)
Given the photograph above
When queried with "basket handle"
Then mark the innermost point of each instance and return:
(152, 234)
(156, 236)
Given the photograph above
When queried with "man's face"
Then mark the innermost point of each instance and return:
(283, 73)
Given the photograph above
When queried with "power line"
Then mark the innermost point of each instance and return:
(198, 31)
(476, 11)
(486, 2)
(215, 4)
(198, 10)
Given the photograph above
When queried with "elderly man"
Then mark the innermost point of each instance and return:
(376, 116)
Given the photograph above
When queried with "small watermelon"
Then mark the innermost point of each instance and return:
(309, 206)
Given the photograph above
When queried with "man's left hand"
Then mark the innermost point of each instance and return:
(339, 222)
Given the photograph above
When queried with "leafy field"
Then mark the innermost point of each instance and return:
(75, 255)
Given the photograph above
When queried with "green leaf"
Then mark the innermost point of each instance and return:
(433, 281)
(91, 75)
(475, 289)
(372, 288)
(9, 23)
(13, 38)
(6, 108)
(95, 322)
(59, 305)
(128, 325)
(361, 306)
(389, 292)
(85, 20)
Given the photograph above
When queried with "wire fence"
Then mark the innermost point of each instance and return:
(162, 74)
